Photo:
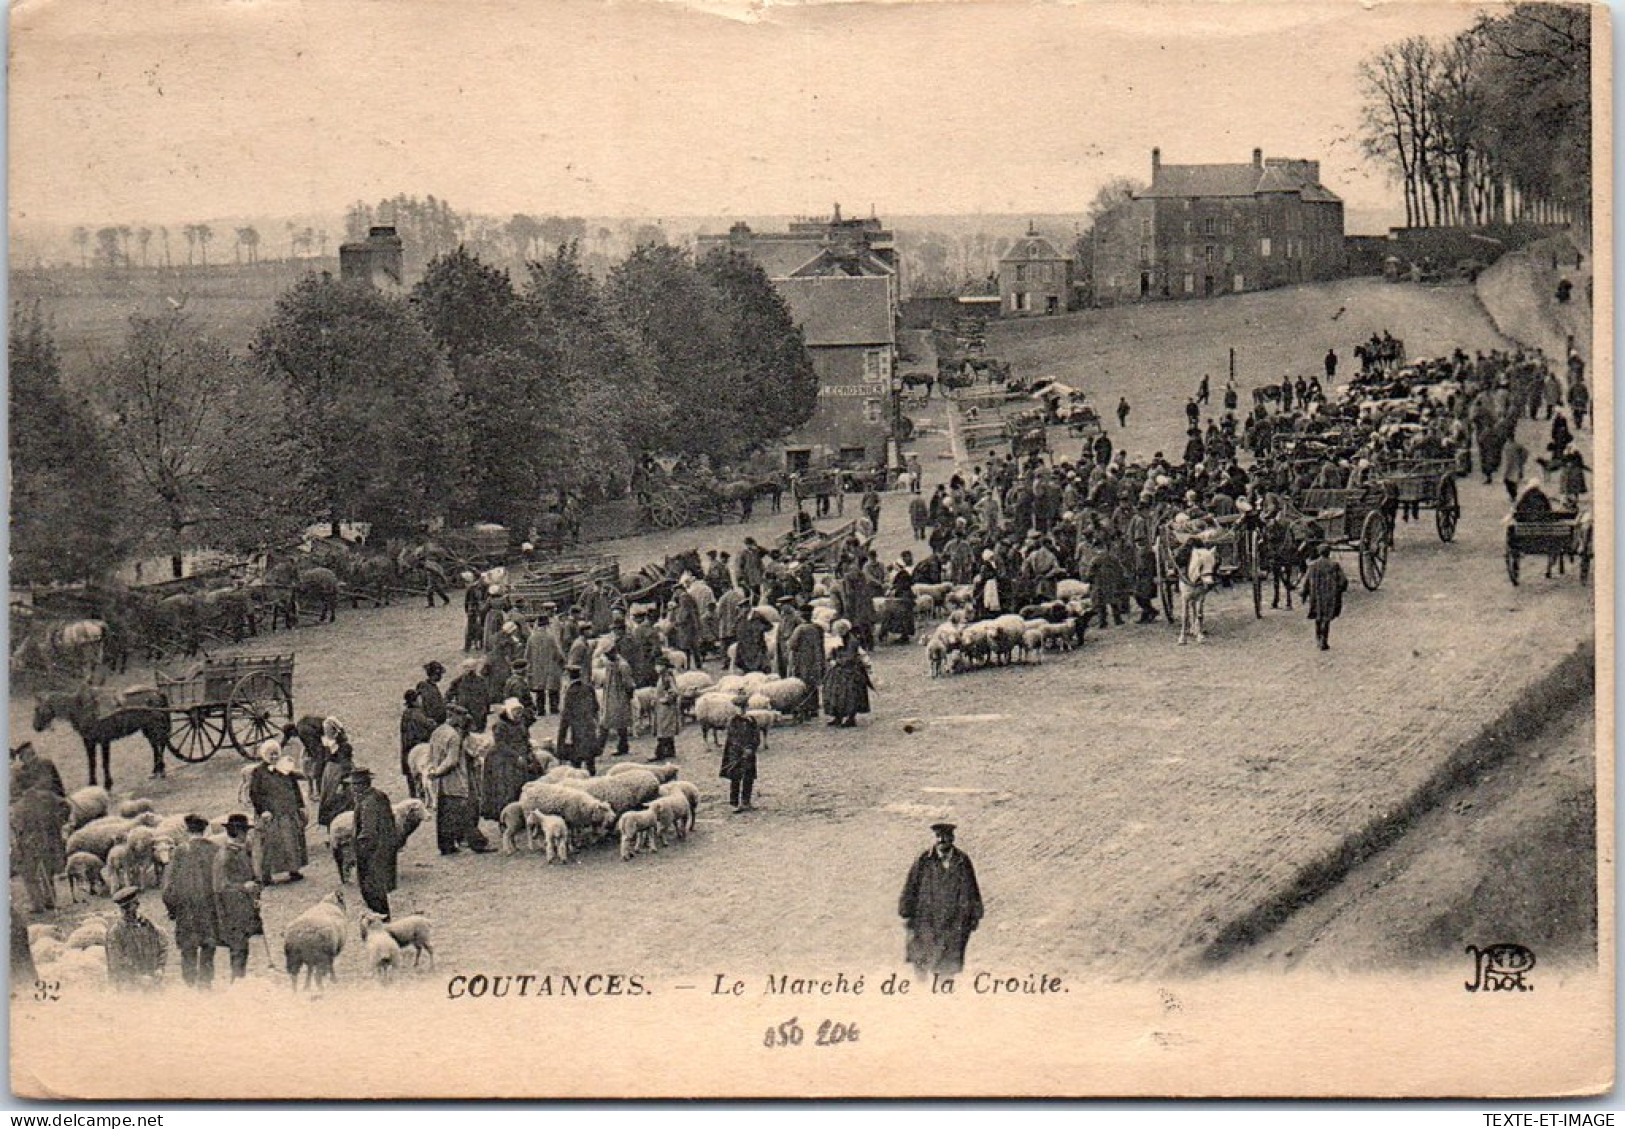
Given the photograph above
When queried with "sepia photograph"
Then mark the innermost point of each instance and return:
(743, 549)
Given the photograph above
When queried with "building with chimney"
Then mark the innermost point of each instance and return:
(376, 260)
(1202, 230)
(1034, 278)
(839, 278)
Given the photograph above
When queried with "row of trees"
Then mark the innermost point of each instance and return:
(113, 245)
(1491, 126)
(472, 399)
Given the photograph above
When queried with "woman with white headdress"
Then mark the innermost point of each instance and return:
(280, 818)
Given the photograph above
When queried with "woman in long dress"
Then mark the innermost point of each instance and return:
(847, 686)
(279, 809)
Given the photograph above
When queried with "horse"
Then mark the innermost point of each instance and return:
(1283, 551)
(320, 584)
(1196, 580)
(140, 712)
(75, 647)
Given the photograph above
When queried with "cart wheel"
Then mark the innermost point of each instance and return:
(196, 734)
(667, 513)
(258, 708)
(1585, 558)
(1448, 510)
(1373, 550)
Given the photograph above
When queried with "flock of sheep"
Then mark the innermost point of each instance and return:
(961, 644)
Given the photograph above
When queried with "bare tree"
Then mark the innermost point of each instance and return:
(143, 239)
(81, 240)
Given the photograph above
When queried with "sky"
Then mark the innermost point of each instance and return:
(174, 111)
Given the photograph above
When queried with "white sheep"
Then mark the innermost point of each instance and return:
(691, 684)
(764, 720)
(410, 932)
(552, 832)
(419, 759)
(1069, 588)
(314, 940)
(383, 951)
(623, 791)
(87, 804)
(643, 709)
(730, 684)
(661, 772)
(714, 712)
(117, 872)
(1008, 631)
(46, 950)
(513, 822)
(90, 932)
(685, 789)
(409, 816)
(129, 809)
(564, 773)
(783, 694)
(639, 829)
(1032, 644)
(586, 815)
(673, 817)
(84, 870)
(99, 835)
(678, 660)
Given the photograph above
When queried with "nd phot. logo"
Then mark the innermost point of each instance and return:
(1500, 968)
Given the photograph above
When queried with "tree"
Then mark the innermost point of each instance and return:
(190, 231)
(81, 240)
(108, 254)
(769, 359)
(66, 497)
(372, 404)
(205, 233)
(203, 445)
(143, 240)
(1117, 191)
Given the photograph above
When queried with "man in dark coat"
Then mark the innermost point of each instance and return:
(430, 698)
(474, 614)
(578, 739)
(28, 768)
(189, 897)
(807, 662)
(136, 951)
(941, 906)
(37, 852)
(750, 569)
(739, 746)
(1323, 586)
(416, 728)
(750, 645)
(237, 894)
(376, 843)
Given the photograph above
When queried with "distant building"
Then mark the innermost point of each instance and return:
(1204, 230)
(839, 277)
(1034, 278)
(375, 260)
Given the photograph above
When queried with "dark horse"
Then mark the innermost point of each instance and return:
(1283, 549)
(143, 713)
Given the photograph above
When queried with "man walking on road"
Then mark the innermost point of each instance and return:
(941, 905)
(1323, 586)
(1331, 365)
(1122, 411)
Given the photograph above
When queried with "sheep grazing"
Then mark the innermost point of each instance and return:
(129, 809)
(673, 817)
(383, 951)
(313, 941)
(410, 932)
(639, 830)
(100, 835)
(1008, 631)
(730, 684)
(623, 791)
(764, 720)
(1032, 644)
(552, 832)
(514, 824)
(783, 694)
(586, 815)
(713, 712)
(686, 790)
(84, 870)
(87, 804)
(661, 772)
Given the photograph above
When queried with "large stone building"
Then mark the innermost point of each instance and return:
(376, 260)
(1203, 230)
(839, 278)
(1034, 278)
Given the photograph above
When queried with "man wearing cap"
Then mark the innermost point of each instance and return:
(376, 842)
(188, 894)
(618, 690)
(687, 632)
(456, 819)
(416, 729)
(273, 793)
(577, 739)
(507, 764)
(472, 690)
(544, 661)
(518, 687)
(808, 662)
(136, 951)
(739, 745)
(941, 906)
(1324, 583)
(29, 768)
(236, 894)
(750, 569)
(430, 698)
(731, 608)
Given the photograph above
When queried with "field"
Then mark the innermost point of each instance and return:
(1125, 805)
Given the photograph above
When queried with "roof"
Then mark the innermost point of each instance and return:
(830, 262)
(840, 310)
(1277, 175)
(1031, 248)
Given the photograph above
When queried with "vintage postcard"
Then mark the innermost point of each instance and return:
(721, 549)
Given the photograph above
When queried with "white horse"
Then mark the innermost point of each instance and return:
(1196, 580)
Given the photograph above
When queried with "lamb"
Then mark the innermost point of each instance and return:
(673, 816)
(662, 772)
(729, 684)
(623, 791)
(514, 823)
(173, 828)
(765, 720)
(117, 872)
(1032, 644)
(584, 813)
(313, 941)
(409, 816)
(713, 712)
(552, 832)
(678, 660)
(1063, 636)
(639, 828)
(936, 592)
(1007, 635)
(143, 844)
(129, 809)
(84, 870)
(643, 709)
(409, 932)
(685, 789)
(755, 680)
(87, 804)
(383, 951)
(925, 608)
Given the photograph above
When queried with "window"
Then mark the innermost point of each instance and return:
(874, 365)
(855, 456)
(1209, 254)
(1021, 300)
(1052, 305)
(797, 459)
(1264, 247)
(1145, 229)
(1190, 284)
(1189, 253)
(1210, 226)
(1145, 252)
(1187, 227)
(1021, 274)
(1229, 253)
(871, 411)
(1241, 284)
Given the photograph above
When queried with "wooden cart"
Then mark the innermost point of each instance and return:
(1429, 484)
(1560, 536)
(1237, 548)
(1350, 521)
(560, 583)
(241, 700)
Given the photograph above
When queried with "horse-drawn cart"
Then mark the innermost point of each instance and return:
(1350, 520)
(1426, 484)
(1559, 536)
(561, 582)
(1236, 545)
(240, 700)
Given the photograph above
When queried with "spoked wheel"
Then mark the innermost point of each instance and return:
(666, 513)
(258, 708)
(1373, 550)
(196, 734)
(1448, 510)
